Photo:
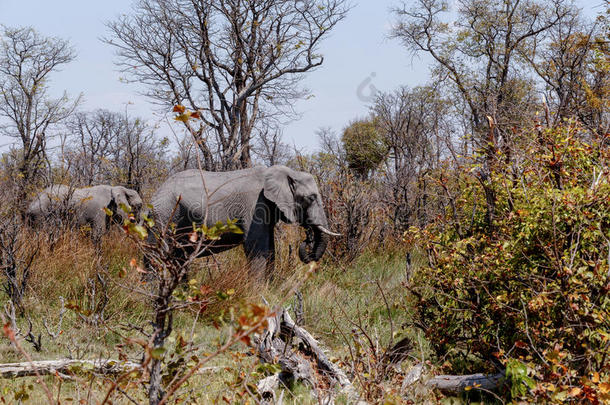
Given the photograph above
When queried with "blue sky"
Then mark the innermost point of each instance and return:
(358, 54)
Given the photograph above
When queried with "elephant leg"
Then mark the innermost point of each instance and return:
(257, 266)
(98, 228)
(260, 251)
(270, 265)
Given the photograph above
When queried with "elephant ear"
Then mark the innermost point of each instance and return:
(279, 188)
(119, 196)
(134, 199)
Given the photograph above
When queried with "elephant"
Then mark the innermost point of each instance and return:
(256, 198)
(83, 206)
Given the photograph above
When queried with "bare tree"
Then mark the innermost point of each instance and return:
(478, 54)
(29, 113)
(563, 63)
(415, 128)
(187, 156)
(108, 147)
(229, 61)
(270, 148)
(139, 155)
(93, 136)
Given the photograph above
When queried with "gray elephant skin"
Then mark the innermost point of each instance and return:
(257, 198)
(85, 206)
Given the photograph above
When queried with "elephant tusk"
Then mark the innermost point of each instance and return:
(326, 231)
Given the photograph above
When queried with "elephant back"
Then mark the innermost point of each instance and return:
(46, 203)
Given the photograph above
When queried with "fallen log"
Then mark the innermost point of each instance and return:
(454, 384)
(66, 367)
(276, 346)
(273, 349)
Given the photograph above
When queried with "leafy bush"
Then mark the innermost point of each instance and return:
(365, 147)
(529, 294)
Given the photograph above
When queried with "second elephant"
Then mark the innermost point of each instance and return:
(83, 206)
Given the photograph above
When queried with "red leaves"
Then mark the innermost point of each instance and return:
(246, 340)
(9, 332)
(520, 344)
(133, 264)
(253, 319)
(179, 109)
(184, 115)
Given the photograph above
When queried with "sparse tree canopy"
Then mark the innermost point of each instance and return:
(229, 60)
(270, 149)
(27, 112)
(478, 53)
(414, 125)
(109, 147)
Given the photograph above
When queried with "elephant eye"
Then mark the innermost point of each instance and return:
(306, 200)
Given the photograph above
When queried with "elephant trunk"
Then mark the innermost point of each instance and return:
(314, 246)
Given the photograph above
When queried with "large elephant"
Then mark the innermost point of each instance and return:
(257, 198)
(83, 206)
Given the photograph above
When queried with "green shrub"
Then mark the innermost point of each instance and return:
(365, 147)
(532, 294)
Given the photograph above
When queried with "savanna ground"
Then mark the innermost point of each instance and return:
(92, 317)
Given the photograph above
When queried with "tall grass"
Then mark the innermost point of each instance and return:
(366, 293)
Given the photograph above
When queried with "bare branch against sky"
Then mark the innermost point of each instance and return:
(233, 62)
(358, 56)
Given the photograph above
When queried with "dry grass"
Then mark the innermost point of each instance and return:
(67, 267)
(334, 296)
